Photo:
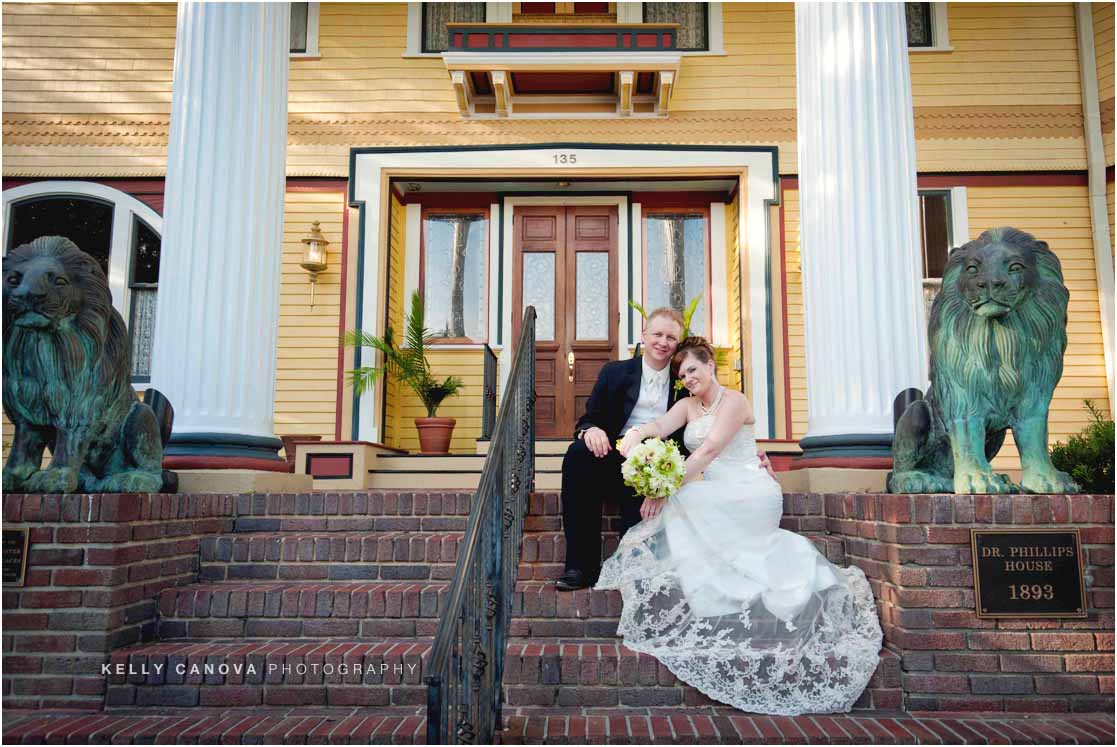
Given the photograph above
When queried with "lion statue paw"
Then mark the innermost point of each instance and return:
(52, 480)
(1048, 481)
(982, 483)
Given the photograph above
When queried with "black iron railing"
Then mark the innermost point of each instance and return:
(488, 402)
(466, 666)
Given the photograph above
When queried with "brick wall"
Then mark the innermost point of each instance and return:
(95, 566)
(916, 552)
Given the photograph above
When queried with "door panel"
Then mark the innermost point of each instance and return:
(565, 264)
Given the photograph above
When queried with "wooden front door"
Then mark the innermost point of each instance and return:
(565, 265)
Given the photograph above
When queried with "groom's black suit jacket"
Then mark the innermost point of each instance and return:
(614, 396)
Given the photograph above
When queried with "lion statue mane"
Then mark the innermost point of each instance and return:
(67, 380)
(997, 336)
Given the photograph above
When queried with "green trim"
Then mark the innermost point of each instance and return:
(359, 311)
(500, 275)
(770, 358)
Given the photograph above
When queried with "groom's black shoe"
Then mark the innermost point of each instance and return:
(572, 580)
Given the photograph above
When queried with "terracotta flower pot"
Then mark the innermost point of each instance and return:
(435, 434)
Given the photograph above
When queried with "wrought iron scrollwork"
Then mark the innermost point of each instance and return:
(463, 677)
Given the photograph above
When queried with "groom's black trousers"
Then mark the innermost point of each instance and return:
(586, 481)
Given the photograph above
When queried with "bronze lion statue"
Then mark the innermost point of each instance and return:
(67, 380)
(998, 330)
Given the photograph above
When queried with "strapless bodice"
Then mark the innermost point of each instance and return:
(738, 454)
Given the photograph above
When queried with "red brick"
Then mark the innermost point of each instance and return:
(936, 683)
(90, 576)
(1062, 641)
(1066, 684)
(45, 643)
(1031, 663)
(951, 662)
(121, 508)
(1084, 663)
(999, 641)
(50, 599)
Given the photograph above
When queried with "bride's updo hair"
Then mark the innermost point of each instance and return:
(696, 346)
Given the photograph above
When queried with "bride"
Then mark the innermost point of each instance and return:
(748, 613)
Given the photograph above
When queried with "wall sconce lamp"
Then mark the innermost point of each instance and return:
(314, 256)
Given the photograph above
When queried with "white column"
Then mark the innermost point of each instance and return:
(218, 309)
(865, 327)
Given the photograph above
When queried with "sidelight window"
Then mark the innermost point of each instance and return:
(453, 273)
(676, 263)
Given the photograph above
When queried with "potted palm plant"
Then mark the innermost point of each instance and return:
(409, 365)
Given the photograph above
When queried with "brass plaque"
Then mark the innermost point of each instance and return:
(15, 556)
(1028, 573)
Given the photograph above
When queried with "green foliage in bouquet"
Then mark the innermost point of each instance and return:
(407, 364)
(1088, 457)
(654, 468)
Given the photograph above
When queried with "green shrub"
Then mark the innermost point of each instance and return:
(1088, 457)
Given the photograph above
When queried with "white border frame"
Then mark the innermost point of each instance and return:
(312, 16)
(761, 187)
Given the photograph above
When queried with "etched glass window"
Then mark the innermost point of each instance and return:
(919, 25)
(676, 261)
(936, 239)
(454, 274)
(539, 291)
(84, 221)
(437, 15)
(592, 311)
(144, 285)
(694, 31)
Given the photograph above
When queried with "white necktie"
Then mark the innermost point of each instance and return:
(653, 383)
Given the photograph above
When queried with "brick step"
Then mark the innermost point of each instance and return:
(278, 609)
(537, 672)
(531, 725)
(603, 673)
(300, 725)
(266, 555)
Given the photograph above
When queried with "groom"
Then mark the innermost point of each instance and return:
(627, 393)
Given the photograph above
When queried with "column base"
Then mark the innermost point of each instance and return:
(833, 480)
(224, 481)
(216, 451)
(848, 450)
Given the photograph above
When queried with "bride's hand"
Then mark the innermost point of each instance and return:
(630, 441)
(651, 508)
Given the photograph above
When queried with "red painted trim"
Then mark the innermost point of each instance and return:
(786, 333)
(342, 318)
(789, 183)
(330, 465)
(220, 462)
(449, 200)
(317, 185)
(781, 462)
(652, 200)
(1109, 174)
(845, 462)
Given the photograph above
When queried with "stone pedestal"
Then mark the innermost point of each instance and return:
(218, 308)
(859, 230)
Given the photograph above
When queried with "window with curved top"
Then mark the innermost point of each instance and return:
(120, 232)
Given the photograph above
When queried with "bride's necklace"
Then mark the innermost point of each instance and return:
(714, 406)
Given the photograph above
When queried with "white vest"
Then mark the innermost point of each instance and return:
(652, 403)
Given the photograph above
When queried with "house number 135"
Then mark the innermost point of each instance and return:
(563, 159)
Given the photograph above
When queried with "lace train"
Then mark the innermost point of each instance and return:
(749, 614)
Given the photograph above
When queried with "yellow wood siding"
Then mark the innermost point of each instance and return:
(1103, 54)
(728, 374)
(1061, 217)
(397, 244)
(306, 359)
(796, 343)
(469, 366)
(89, 88)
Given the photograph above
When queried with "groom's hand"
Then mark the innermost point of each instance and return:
(597, 441)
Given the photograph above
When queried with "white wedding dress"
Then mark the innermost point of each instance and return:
(750, 614)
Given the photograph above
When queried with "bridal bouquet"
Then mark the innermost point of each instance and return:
(655, 468)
